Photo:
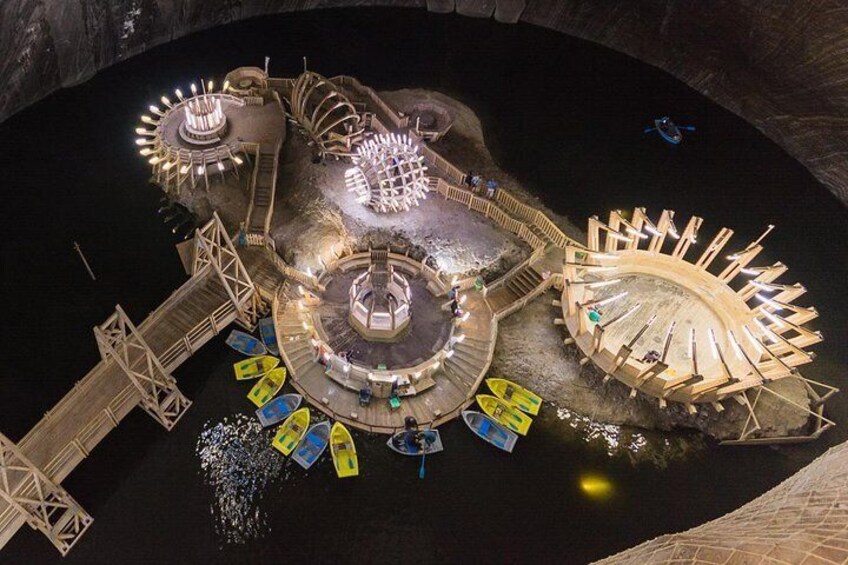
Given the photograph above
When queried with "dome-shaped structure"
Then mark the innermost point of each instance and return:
(390, 175)
(326, 114)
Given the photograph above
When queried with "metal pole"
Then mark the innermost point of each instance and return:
(84, 261)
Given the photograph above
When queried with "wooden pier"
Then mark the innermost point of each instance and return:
(135, 370)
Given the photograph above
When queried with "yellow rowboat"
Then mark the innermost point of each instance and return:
(267, 387)
(505, 414)
(254, 367)
(516, 395)
(291, 431)
(343, 451)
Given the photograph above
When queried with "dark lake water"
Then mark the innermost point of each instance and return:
(565, 117)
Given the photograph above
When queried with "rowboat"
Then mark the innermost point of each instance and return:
(254, 367)
(312, 445)
(668, 130)
(516, 395)
(268, 386)
(290, 431)
(343, 451)
(403, 442)
(277, 410)
(505, 414)
(269, 335)
(245, 343)
(489, 430)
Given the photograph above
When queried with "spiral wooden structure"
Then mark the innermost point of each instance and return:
(326, 114)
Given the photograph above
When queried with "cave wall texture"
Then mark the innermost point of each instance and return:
(780, 65)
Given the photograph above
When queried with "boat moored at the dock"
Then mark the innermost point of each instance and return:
(268, 386)
(516, 395)
(312, 445)
(254, 367)
(291, 431)
(269, 335)
(245, 343)
(490, 431)
(343, 451)
(505, 414)
(278, 409)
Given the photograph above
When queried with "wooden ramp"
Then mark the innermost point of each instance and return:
(135, 370)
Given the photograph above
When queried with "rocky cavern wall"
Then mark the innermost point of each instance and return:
(779, 65)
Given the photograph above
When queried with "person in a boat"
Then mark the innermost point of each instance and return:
(411, 441)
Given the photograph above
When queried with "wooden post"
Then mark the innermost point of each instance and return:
(120, 341)
(45, 505)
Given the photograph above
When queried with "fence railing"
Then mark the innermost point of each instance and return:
(491, 210)
(368, 92)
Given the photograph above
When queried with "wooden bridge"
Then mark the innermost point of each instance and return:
(135, 370)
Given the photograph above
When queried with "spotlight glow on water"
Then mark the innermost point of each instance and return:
(595, 486)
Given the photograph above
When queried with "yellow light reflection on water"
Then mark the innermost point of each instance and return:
(595, 486)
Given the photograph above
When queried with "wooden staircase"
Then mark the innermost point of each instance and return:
(262, 192)
(516, 287)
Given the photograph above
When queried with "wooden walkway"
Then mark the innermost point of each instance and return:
(184, 322)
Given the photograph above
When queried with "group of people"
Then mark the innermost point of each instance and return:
(475, 182)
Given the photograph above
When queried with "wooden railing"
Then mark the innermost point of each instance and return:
(68, 457)
(352, 83)
(535, 217)
(491, 210)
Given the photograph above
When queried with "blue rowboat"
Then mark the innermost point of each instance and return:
(489, 430)
(278, 409)
(431, 440)
(312, 445)
(269, 335)
(246, 344)
(668, 130)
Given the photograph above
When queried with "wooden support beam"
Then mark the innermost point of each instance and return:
(714, 248)
(120, 341)
(45, 505)
(687, 238)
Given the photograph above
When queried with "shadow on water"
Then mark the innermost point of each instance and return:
(564, 116)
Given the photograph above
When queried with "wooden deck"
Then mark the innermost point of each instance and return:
(456, 381)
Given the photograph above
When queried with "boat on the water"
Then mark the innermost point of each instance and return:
(291, 431)
(503, 413)
(268, 386)
(668, 130)
(312, 445)
(489, 430)
(516, 395)
(343, 451)
(277, 410)
(245, 343)
(406, 442)
(254, 367)
(269, 335)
